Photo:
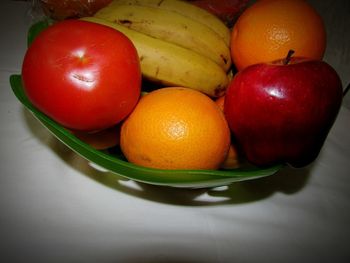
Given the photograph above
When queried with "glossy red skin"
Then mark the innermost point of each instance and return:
(222, 7)
(226, 10)
(283, 113)
(83, 75)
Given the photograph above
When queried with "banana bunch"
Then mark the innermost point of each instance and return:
(178, 43)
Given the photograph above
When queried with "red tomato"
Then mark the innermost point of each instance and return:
(83, 75)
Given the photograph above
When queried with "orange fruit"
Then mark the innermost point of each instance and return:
(232, 158)
(268, 29)
(175, 128)
(100, 140)
(220, 102)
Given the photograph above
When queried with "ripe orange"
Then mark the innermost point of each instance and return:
(220, 102)
(100, 140)
(268, 29)
(232, 158)
(176, 128)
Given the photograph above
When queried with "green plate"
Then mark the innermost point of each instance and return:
(116, 163)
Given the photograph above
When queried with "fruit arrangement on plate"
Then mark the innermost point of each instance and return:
(167, 92)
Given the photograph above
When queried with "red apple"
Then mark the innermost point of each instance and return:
(281, 112)
(226, 10)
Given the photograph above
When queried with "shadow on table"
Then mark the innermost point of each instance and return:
(287, 180)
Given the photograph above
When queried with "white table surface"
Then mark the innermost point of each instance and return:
(55, 208)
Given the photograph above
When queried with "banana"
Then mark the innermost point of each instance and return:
(171, 27)
(172, 65)
(186, 9)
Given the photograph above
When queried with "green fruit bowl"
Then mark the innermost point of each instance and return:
(116, 163)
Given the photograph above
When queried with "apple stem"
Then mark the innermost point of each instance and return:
(288, 57)
(346, 90)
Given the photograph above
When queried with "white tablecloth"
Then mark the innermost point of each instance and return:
(55, 208)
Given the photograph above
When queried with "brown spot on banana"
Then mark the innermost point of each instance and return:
(219, 91)
(224, 59)
(124, 22)
(160, 2)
